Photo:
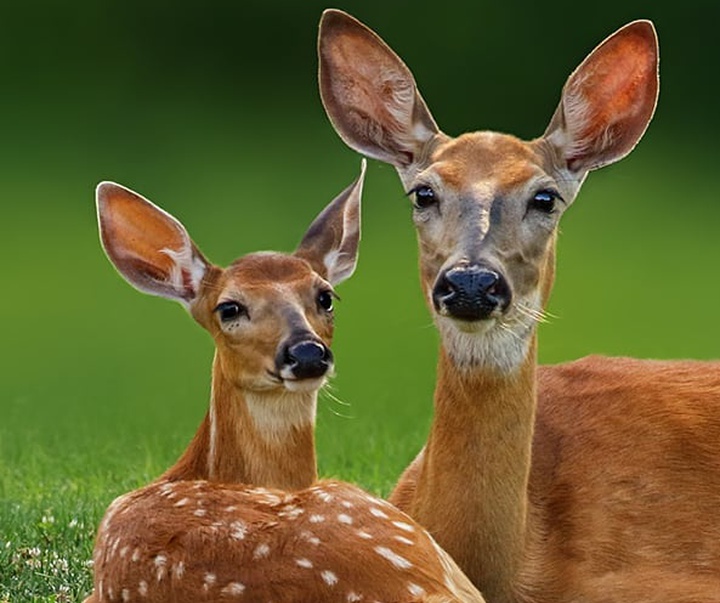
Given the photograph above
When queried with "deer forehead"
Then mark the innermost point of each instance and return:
(486, 164)
(267, 276)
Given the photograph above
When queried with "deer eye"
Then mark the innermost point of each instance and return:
(544, 201)
(231, 310)
(325, 300)
(424, 197)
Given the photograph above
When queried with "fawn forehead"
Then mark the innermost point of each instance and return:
(267, 272)
(487, 162)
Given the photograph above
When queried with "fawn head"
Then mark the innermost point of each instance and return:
(270, 314)
(486, 205)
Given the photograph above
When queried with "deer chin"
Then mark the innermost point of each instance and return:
(489, 344)
(304, 385)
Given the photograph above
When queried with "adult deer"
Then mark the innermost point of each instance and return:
(240, 516)
(621, 499)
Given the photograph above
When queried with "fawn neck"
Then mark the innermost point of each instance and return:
(261, 438)
(477, 462)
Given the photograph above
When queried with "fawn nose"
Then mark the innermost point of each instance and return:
(470, 292)
(307, 359)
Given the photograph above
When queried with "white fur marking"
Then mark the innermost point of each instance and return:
(238, 530)
(317, 518)
(304, 563)
(209, 580)
(378, 513)
(364, 535)
(178, 569)
(398, 561)
(261, 551)
(404, 540)
(329, 577)
(403, 526)
(233, 588)
(125, 594)
(415, 590)
(143, 588)
(182, 502)
(346, 519)
(353, 597)
(160, 562)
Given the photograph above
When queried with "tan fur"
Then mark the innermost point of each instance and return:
(594, 481)
(241, 517)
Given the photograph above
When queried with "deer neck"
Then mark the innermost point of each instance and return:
(472, 489)
(266, 439)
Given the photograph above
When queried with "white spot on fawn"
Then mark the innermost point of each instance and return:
(329, 577)
(403, 540)
(324, 496)
(136, 555)
(231, 508)
(125, 594)
(346, 519)
(233, 588)
(403, 526)
(262, 550)
(160, 562)
(178, 569)
(347, 504)
(123, 551)
(238, 530)
(415, 590)
(353, 597)
(398, 561)
(378, 513)
(143, 588)
(364, 535)
(310, 537)
(317, 518)
(304, 563)
(182, 502)
(209, 580)
(200, 512)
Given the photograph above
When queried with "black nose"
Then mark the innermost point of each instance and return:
(470, 292)
(306, 359)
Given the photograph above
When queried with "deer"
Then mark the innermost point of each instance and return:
(595, 480)
(242, 516)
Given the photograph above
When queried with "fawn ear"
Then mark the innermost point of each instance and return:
(369, 94)
(331, 243)
(149, 247)
(609, 100)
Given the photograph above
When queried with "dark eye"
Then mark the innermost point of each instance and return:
(544, 201)
(325, 300)
(424, 197)
(231, 310)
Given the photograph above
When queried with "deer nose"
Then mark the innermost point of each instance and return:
(308, 359)
(470, 292)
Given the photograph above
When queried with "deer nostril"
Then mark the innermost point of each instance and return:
(470, 292)
(306, 360)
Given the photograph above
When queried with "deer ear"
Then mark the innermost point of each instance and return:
(149, 247)
(331, 243)
(369, 94)
(609, 100)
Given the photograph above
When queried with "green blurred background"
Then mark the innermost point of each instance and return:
(211, 110)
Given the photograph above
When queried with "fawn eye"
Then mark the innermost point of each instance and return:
(231, 310)
(544, 201)
(325, 300)
(424, 197)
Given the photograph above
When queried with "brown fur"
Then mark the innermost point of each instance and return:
(604, 484)
(240, 516)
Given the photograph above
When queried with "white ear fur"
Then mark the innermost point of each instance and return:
(609, 100)
(331, 242)
(369, 94)
(149, 247)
